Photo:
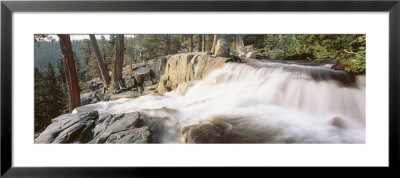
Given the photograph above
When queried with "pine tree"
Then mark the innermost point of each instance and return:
(70, 72)
(190, 43)
(214, 43)
(118, 61)
(200, 49)
(49, 99)
(100, 62)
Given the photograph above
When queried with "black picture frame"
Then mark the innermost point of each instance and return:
(8, 7)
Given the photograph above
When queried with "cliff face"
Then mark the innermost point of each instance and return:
(187, 67)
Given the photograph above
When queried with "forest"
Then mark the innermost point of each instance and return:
(64, 66)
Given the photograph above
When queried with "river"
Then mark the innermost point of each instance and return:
(261, 103)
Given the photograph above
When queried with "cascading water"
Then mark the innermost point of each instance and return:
(261, 103)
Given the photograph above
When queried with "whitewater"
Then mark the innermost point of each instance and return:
(262, 103)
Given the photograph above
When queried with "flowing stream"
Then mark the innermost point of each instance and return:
(264, 103)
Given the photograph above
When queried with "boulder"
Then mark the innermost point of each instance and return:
(142, 74)
(147, 83)
(251, 55)
(94, 84)
(70, 128)
(202, 133)
(221, 48)
(89, 98)
(138, 135)
(249, 48)
(124, 94)
(152, 89)
(338, 66)
(157, 67)
(129, 81)
(89, 127)
(220, 129)
(324, 61)
(187, 67)
(112, 126)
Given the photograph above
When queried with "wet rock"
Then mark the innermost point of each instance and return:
(163, 125)
(69, 128)
(218, 130)
(202, 133)
(338, 66)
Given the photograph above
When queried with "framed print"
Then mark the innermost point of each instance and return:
(141, 88)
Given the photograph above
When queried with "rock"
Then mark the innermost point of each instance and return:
(151, 87)
(113, 125)
(251, 55)
(125, 94)
(86, 98)
(249, 48)
(202, 133)
(129, 81)
(219, 129)
(221, 48)
(324, 61)
(100, 96)
(187, 67)
(94, 84)
(163, 124)
(147, 83)
(89, 98)
(69, 128)
(338, 66)
(138, 135)
(142, 74)
(158, 67)
(337, 122)
(89, 127)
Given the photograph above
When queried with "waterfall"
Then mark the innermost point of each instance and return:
(261, 103)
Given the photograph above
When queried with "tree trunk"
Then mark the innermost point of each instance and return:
(239, 44)
(190, 43)
(90, 52)
(168, 44)
(200, 43)
(100, 61)
(214, 43)
(118, 62)
(70, 72)
(204, 43)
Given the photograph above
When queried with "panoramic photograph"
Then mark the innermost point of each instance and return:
(199, 88)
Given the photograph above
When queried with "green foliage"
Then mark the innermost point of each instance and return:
(347, 49)
(256, 40)
(152, 46)
(49, 99)
(282, 45)
(50, 52)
